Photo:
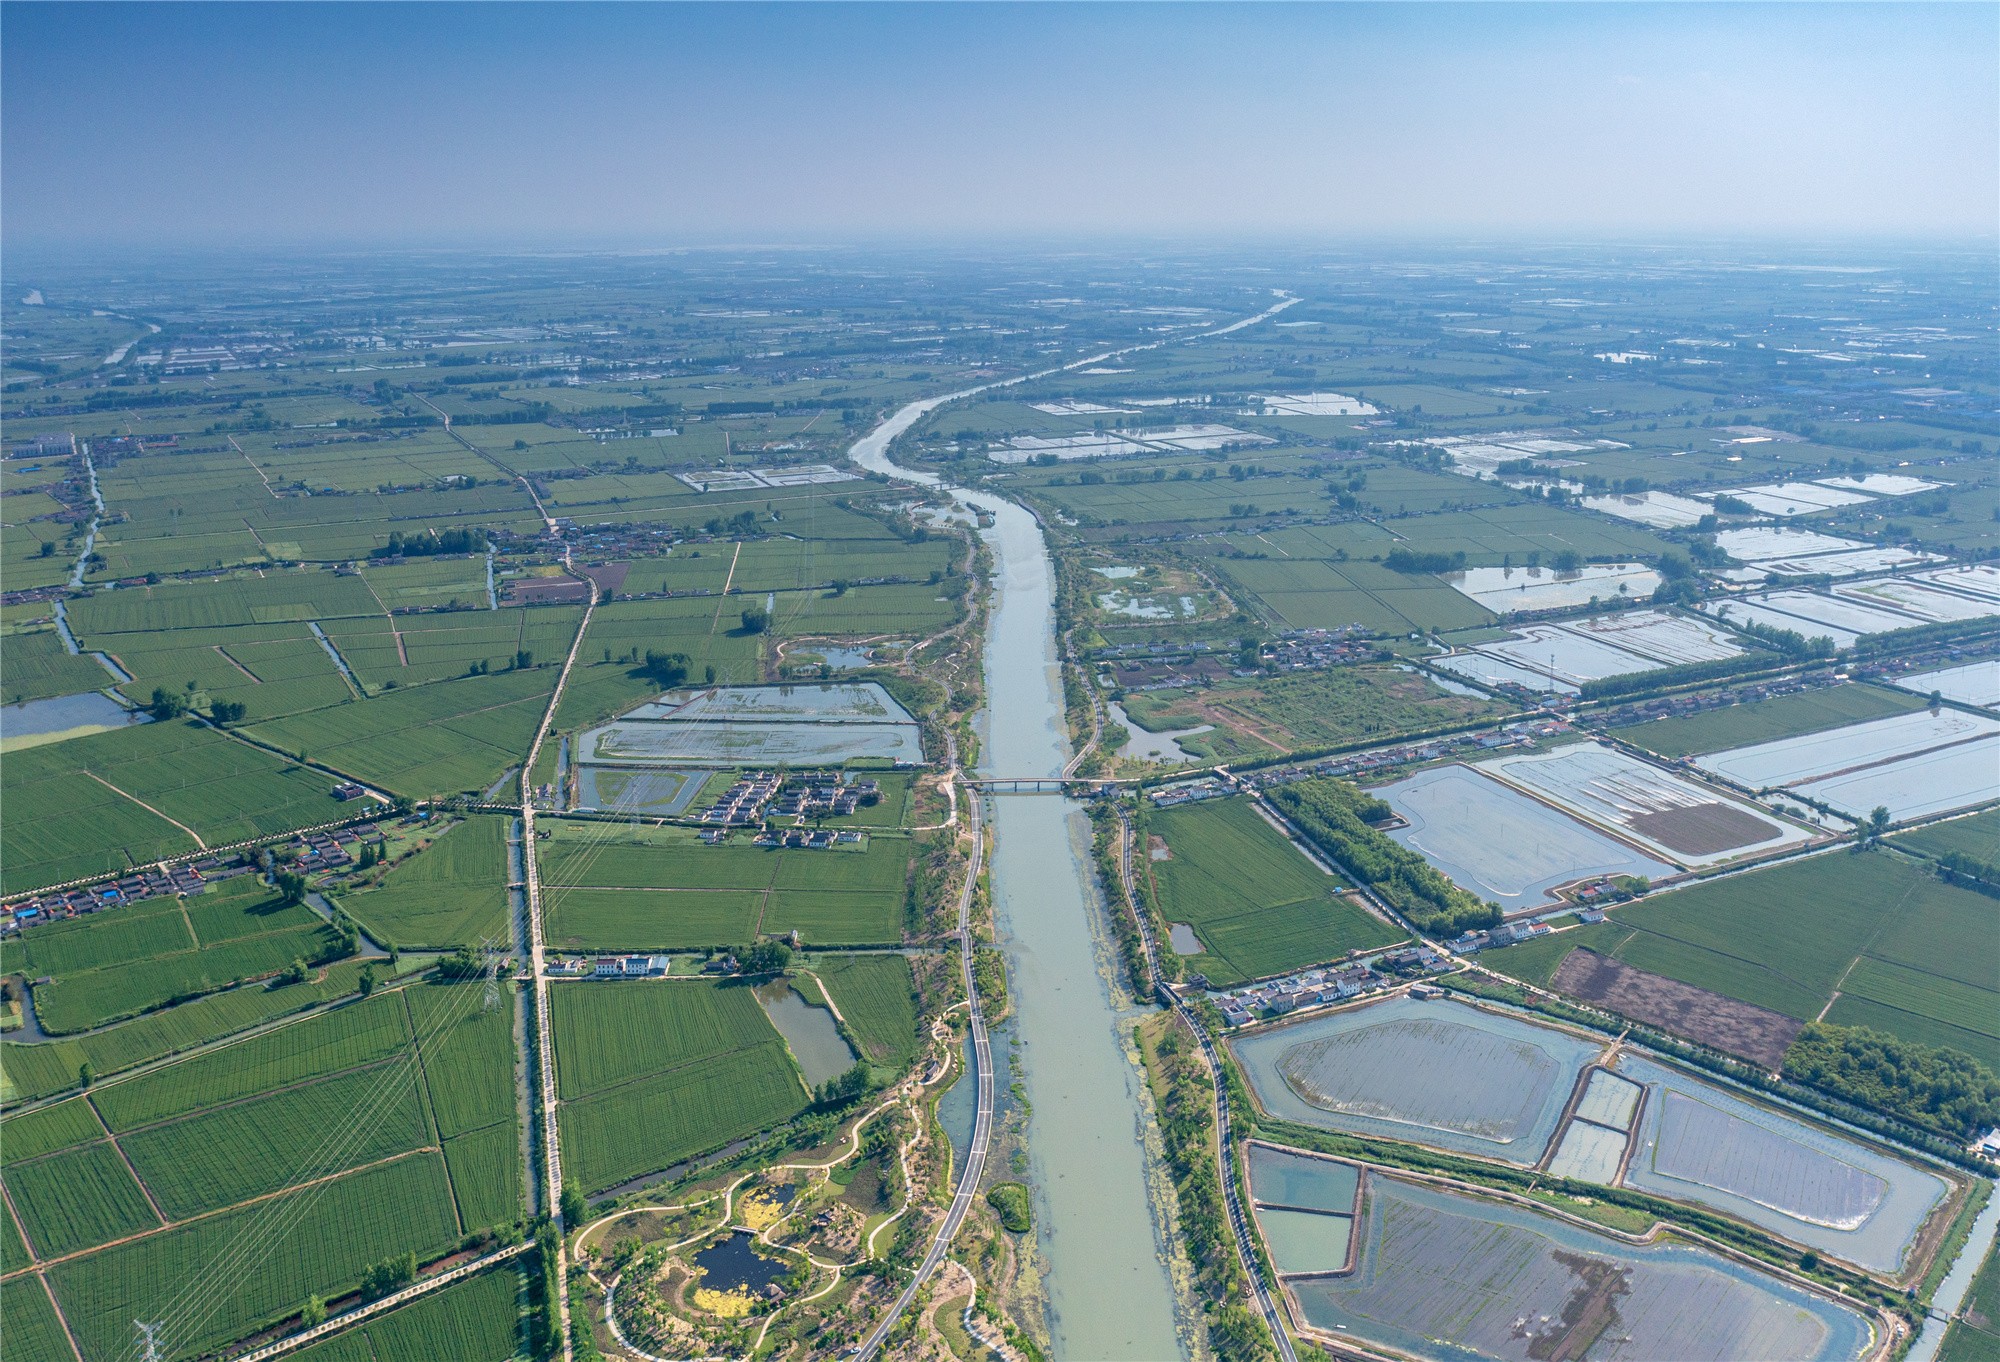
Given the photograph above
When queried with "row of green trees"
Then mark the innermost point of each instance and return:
(1937, 1088)
(1187, 1129)
(429, 543)
(1335, 816)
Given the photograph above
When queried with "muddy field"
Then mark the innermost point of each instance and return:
(1755, 1033)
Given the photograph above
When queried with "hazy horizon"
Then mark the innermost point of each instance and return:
(753, 127)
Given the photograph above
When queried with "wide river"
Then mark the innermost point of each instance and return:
(1107, 1283)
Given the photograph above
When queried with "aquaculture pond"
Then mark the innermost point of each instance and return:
(651, 793)
(1433, 1072)
(1503, 1282)
(820, 722)
(1500, 844)
(1698, 1143)
(92, 711)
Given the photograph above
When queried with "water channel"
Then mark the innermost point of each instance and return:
(1109, 1293)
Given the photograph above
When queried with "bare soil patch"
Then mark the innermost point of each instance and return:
(1744, 1029)
(1703, 829)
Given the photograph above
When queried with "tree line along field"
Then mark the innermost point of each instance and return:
(1306, 710)
(1257, 904)
(1873, 934)
(1783, 716)
(451, 891)
(392, 1116)
(108, 966)
(607, 886)
(714, 1070)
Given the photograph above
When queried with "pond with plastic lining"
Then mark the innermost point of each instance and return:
(1451, 1277)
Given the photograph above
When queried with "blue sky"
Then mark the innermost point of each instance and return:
(663, 124)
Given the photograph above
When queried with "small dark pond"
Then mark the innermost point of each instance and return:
(731, 1264)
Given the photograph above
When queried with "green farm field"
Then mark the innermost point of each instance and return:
(98, 805)
(117, 964)
(34, 665)
(424, 740)
(1257, 904)
(1873, 934)
(717, 1070)
(451, 893)
(338, 1115)
(610, 885)
(1977, 836)
(1786, 716)
(382, 1212)
(1311, 593)
(42, 1069)
(877, 996)
(1306, 710)
(34, 1330)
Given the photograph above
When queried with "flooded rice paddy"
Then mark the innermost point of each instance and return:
(1503, 1282)
(1919, 763)
(1677, 819)
(813, 724)
(1510, 591)
(1500, 844)
(1562, 657)
(1855, 609)
(1437, 1073)
(1974, 683)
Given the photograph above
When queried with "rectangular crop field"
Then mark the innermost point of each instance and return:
(77, 1199)
(1255, 901)
(1890, 947)
(1786, 716)
(1307, 710)
(34, 1332)
(876, 994)
(713, 1069)
(276, 1253)
(40, 1070)
(99, 971)
(452, 893)
(101, 804)
(610, 886)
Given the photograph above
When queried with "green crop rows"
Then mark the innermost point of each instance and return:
(1900, 948)
(876, 994)
(1258, 905)
(715, 1070)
